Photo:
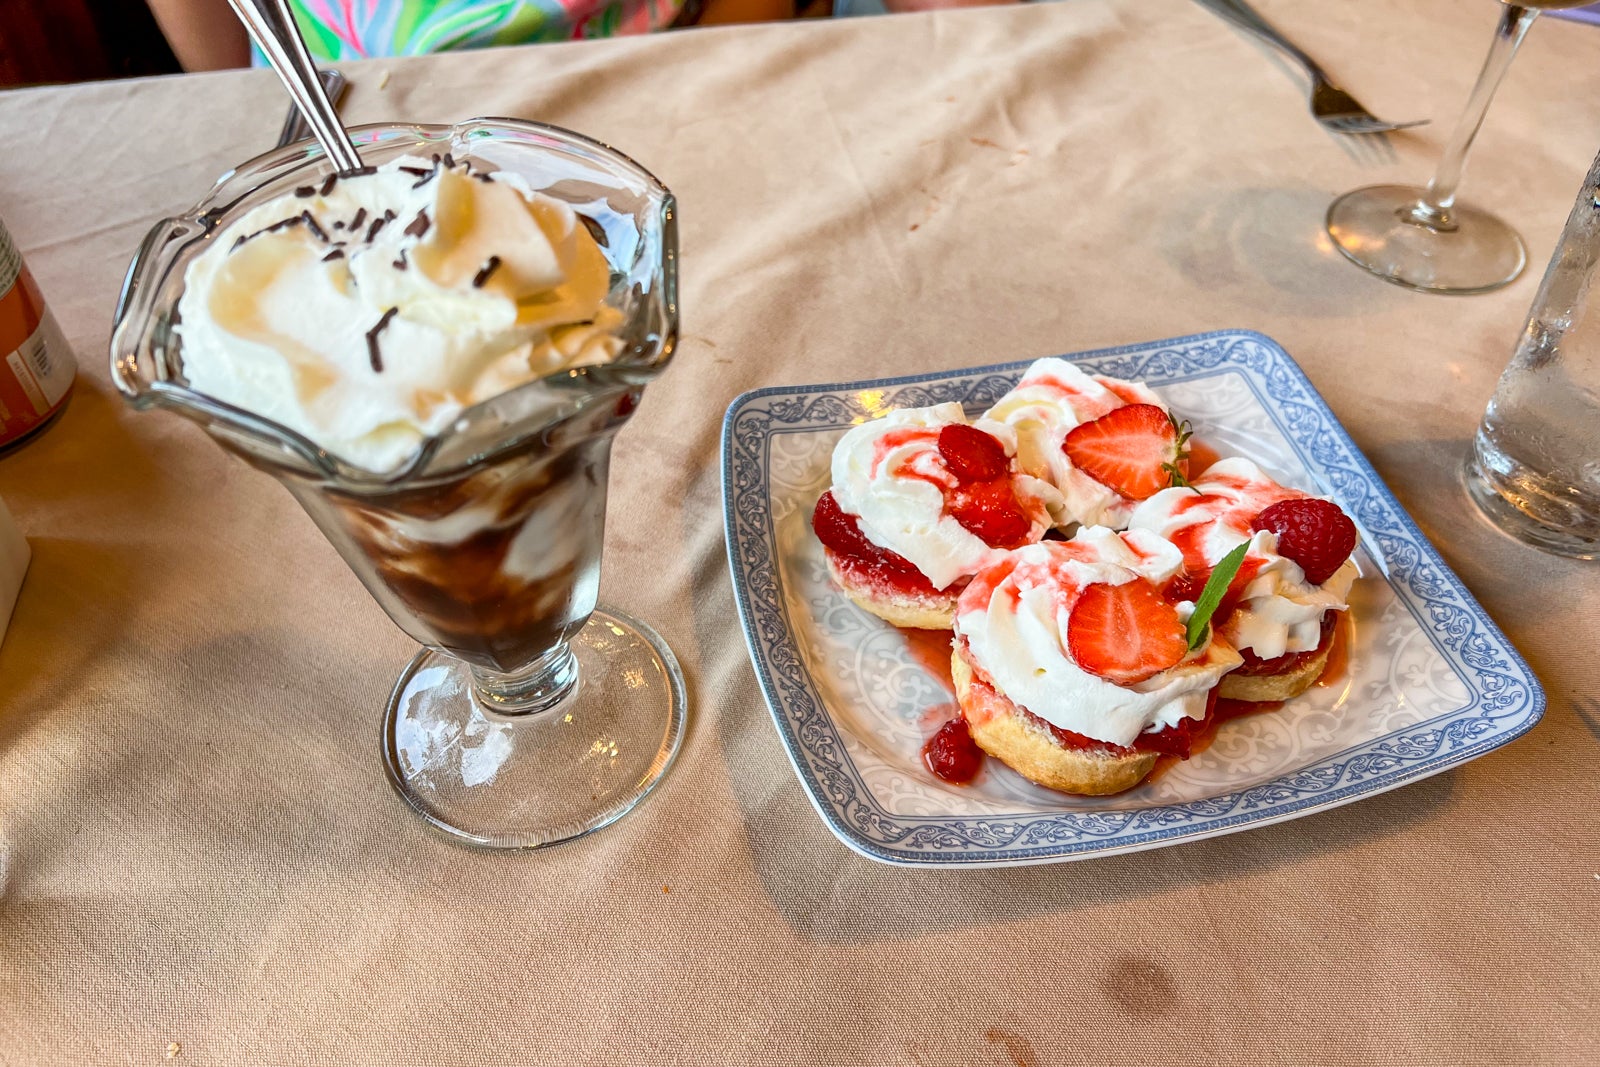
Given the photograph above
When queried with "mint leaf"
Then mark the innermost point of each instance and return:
(1212, 594)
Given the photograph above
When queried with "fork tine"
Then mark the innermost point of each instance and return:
(1362, 124)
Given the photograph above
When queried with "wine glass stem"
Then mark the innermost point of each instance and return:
(1433, 210)
(539, 686)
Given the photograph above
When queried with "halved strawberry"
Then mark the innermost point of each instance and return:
(1137, 450)
(971, 454)
(1125, 633)
(991, 512)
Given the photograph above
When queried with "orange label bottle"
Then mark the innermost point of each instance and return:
(36, 366)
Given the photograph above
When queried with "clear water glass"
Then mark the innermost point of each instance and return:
(1534, 468)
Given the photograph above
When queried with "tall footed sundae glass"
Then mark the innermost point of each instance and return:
(440, 395)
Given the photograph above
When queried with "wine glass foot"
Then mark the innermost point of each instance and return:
(1375, 228)
(503, 781)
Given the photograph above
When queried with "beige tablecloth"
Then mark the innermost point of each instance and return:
(199, 853)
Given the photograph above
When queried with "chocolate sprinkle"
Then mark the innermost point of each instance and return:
(483, 176)
(419, 225)
(596, 230)
(418, 171)
(400, 261)
(338, 224)
(482, 276)
(361, 216)
(305, 191)
(388, 215)
(360, 171)
(337, 253)
(449, 161)
(311, 224)
(377, 224)
(424, 180)
(373, 355)
(284, 224)
(281, 224)
(328, 184)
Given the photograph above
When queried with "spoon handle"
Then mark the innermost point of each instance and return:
(274, 32)
(294, 126)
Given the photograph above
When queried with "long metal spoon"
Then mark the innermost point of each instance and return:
(294, 126)
(272, 28)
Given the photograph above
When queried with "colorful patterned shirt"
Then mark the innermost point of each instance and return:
(354, 29)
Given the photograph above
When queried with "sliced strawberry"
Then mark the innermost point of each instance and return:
(840, 531)
(1137, 450)
(990, 511)
(1125, 633)
(1314, 533)
(971, 454)
(1187, 584)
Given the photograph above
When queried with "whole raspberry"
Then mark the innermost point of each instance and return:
(1313, 533)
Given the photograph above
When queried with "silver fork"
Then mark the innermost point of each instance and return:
(1336, 109)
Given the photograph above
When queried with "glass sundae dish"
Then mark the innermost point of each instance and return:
(433, 356)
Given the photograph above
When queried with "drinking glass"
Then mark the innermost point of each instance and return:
(529, 717)
(1421, 237)
(1534, 468)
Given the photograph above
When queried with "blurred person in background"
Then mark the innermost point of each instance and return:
(205, 34)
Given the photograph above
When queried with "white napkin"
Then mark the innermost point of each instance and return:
(14, 556)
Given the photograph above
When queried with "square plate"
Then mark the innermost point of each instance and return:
(1430, 681)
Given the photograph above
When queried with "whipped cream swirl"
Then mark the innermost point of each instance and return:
(1053, 397)
(890, 475)
(367, 312)
(1014, 619)
(1279, 611)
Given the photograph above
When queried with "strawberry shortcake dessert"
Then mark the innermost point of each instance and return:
(1281, 607)
(921, 500)
(1105, 444)
(1073, 667)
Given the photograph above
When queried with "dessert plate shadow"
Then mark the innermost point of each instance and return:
(1429, 681)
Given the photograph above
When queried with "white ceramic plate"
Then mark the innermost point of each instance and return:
(1430, 681)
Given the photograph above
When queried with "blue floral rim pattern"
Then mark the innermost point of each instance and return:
(1505, 698)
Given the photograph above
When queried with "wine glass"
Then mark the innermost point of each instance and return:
(529, 717)
(1422, 238)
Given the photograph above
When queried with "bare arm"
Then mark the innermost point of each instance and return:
(721, 12)
(204, 34)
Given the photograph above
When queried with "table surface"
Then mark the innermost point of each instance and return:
(199, 852)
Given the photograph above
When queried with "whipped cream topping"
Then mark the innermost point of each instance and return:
(1279, 611)
(890, 475)
(1014, 618)
(367, 312)
(1053, 397)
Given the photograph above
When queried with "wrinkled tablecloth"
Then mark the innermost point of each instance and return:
(201, 861)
